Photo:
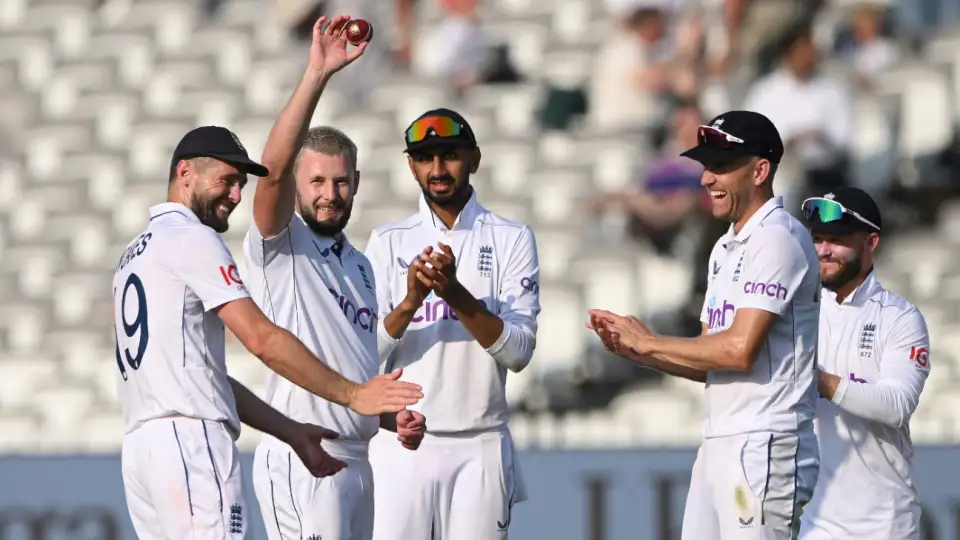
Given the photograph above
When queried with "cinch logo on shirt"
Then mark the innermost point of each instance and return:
(434, 309)
(717, 316)
(362, 317)
(773, 290)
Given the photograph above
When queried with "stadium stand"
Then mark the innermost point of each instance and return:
(95, 94)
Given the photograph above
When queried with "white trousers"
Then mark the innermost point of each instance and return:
(451, 488)
(296, 505)
(751, 487)
(181, 479)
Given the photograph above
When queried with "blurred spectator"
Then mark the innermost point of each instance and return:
(872, 52)
(754, 29)
(669, 193)
(813, 112)
(918, 19)
(459, 51)
(403, 18)
(633, 68)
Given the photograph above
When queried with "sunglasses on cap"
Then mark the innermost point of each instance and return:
(717, 138)
(830, 210)
(442, 126)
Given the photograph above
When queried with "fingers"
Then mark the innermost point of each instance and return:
(318, 27)
(329, 433)
(357, 51)
(326, 465)
(392, 376)
(426, 282)
(336, 25)
(445, 248)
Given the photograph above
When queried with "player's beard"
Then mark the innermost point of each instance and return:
(325, 228)
(457, 196)
(848, 271)
(206, 212)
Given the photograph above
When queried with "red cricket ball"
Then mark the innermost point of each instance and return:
(358, 31)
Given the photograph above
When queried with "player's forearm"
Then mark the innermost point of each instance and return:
(399, 319)
(485, 327)
(667, 366)
(289, 358)
(883, 402)
(275, 195)
(257, 414)
(714, 352)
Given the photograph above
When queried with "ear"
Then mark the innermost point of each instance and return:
(184, 174)
(873, 240)
(474, 160)
(356, 182)
(761, 172)
(410, 164)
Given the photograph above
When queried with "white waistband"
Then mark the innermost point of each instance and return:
(348, 448)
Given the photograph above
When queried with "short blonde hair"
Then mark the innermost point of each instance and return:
(332, 142)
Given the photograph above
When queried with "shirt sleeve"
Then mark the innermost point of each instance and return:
(904, 367)
(377, 252)
(518, 304)
(208, 269)
(773, 270)
(262, 251)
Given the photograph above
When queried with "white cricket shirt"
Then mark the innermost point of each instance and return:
(878, 344)
(170, 347)
(771, 264)
(322, 291)
(496, 259)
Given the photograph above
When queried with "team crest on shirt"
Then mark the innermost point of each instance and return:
(485, 261)
(236, 519)
(866, 340)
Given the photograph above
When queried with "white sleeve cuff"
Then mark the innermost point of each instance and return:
(841, 391)
(385, 342)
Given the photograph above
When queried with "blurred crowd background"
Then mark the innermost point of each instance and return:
(581, 107)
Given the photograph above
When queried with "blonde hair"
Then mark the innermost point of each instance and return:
(332, 142)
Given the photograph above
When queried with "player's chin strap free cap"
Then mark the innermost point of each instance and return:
(439, 128)
(844, 211)
(218, 143)
(734, 135)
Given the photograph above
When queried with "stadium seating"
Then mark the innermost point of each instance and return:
(94, 99)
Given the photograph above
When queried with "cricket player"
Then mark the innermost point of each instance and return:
(459, 298)
(309, 280)
(874, 358)
(175, 287)
(757, 464)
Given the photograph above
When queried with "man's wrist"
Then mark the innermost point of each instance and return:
(456, 295)
(317, 78)
(286, 432)
(408, 306)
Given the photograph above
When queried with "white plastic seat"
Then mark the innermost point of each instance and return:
(561, 334)
(556, 248)
(609, 284)
(20, 377)
(925, 129)
(19, 434)
(103, 432)
(62, 408)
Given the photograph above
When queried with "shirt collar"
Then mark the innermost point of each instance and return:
(755, 220)
(341, 247)
(861, 294)
(158, 210)
(471, 211)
